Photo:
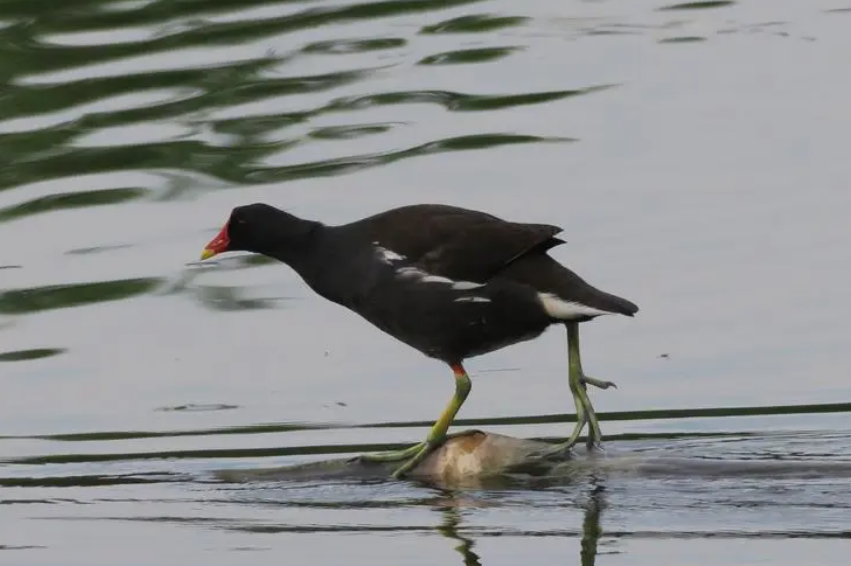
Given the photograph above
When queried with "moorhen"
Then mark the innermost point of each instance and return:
(451, 282)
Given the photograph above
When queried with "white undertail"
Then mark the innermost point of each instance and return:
(567, 310)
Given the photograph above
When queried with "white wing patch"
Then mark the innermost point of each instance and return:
(567, 310)
(472, 300)
(387, 256)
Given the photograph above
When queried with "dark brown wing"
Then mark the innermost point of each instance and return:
(457, 242)
(479, 252)
(476, 246)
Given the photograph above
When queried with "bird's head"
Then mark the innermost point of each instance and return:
(260, 228)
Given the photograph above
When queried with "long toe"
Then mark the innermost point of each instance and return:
(414, 461)
(599, 383)
(393, 455)
(565, 448)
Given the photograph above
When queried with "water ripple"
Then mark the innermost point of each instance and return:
(457, 101)
(350, 164)
(129, 129)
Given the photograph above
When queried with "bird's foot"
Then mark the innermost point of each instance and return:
(566, 449)
(427, 448)
(597, 382)
(393, 455)
(594, 445)
(412, 456)
(585, 415)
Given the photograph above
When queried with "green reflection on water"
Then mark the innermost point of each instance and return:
(354, 163)
(465, 56)
(475, 24)
(34, 354)
(457, 101)
(699, 5)
(36, 299)
(337, 46)
(71, 200)
(50, 114)
(87, 16)
(683, 39)
(349, 132)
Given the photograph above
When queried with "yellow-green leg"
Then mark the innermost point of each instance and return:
(578, 380)
(581, 418)
(436, 436)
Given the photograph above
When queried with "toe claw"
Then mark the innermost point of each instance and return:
(599, 383)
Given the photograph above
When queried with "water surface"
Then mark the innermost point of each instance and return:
(694, 154)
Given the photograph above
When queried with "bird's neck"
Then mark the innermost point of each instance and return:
(328, 262)
(300, 238)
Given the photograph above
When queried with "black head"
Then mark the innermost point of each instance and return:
(264, 229)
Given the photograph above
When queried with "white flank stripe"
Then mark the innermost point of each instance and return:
(436, 279)
(472, 300)
(424, 277)
(466, 285)
(388, 256)
(567, 310)
(409, 272)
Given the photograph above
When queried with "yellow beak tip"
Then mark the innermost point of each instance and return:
(207, 254)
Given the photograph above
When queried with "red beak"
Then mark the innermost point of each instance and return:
(217, 245)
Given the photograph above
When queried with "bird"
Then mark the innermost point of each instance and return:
(450, 282)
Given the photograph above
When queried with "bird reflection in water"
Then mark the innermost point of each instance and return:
(451, 507)
(591, 530)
